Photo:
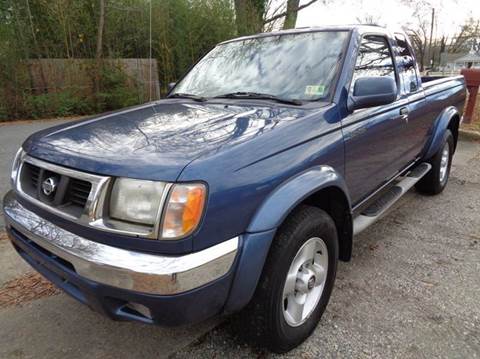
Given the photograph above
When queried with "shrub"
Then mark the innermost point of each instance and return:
(116, 92)
(3, 107)
(3, 111)
(70, 104)
(38, 105)
(57, 104)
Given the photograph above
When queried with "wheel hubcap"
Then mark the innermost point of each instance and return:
(444, 163)
(305, 281)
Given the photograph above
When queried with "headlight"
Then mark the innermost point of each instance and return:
(183, 210)
(139, 202)
(17, 160)
(136, 201)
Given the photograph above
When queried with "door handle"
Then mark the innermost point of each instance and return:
(404, 113)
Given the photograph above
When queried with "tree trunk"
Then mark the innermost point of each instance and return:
(430, 51)
(101, 24)
(291, 15)
(240, 16)
(249, 16)
(37, 49)
(294, 10)
(98, 53)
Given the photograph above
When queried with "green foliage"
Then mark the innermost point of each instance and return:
(186, 30)
(57, 104)
(3, 110)
(116, 92)
(70, 104)
(182, 32)
(250, 14)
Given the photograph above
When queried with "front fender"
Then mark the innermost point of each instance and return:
(261, 231)
(440, 126)
(288, 195)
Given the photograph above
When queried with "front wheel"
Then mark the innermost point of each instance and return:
(435, 181)
(297, 280)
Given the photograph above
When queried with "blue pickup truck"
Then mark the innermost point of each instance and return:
(243, 188)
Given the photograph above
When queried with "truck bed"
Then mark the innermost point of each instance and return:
(428, 81)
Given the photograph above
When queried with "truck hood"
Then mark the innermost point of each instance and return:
(155, 141)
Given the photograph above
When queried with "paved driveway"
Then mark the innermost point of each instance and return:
(411, 290)
(12, 136)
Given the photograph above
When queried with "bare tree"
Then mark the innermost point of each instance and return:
(291, 14)
(418, 28)
(419, 39)
(292, 10)
(468, 38)
(254, 16)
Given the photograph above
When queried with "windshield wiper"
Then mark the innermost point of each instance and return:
(188, 95)
(260, 96)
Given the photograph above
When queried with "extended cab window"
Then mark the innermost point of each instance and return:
(374, 58)
(406, 62)
(295, 66)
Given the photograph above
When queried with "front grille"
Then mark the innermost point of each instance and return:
(69, 193)
(30, 177)
(78, 192)
(34, 174)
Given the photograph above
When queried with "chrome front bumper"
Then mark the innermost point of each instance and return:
(137, 271)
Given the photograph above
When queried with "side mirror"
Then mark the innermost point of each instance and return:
(372, 91)
(171, 85)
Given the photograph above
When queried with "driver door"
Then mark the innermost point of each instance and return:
(374, 137)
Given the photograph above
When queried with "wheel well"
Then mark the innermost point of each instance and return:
(333, 201)
(453, 126)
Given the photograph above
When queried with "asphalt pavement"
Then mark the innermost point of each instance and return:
(12, 135)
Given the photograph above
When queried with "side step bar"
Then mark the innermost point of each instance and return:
(371, 214)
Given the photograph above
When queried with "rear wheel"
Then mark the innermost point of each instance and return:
(297, 280)
(435, 181)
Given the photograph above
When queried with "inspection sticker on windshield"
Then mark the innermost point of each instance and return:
(318, 90)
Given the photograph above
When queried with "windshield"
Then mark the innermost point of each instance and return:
(291, 66)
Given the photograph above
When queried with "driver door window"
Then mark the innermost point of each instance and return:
(374, 58)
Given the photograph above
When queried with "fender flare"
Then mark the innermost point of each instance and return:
(441, 125)
(269, 216)
(288, 195)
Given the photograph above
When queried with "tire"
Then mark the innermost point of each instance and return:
(312, 230)
(435, 181)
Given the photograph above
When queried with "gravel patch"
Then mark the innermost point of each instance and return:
(28, 287)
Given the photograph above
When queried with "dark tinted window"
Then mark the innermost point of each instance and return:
(374, 58)
(406, 63)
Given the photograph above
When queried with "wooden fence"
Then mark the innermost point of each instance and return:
(53, 75)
